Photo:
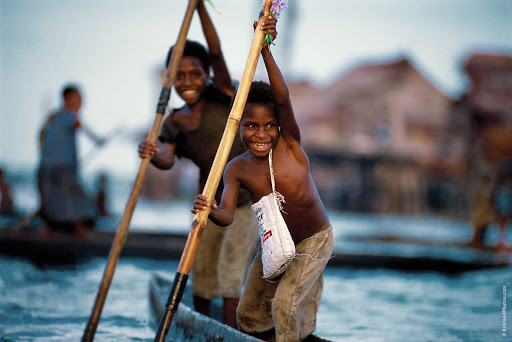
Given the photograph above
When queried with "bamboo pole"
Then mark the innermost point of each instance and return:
(122, 230)
(210, 188)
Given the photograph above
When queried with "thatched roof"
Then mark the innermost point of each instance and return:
(374, 109)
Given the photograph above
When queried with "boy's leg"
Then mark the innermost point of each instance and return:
(205, 284)
(229, 306)
(254, 313)
(238, 248)
(298, 295)
(501, 245)
(477, 236)
(201, 305)
(482, 215)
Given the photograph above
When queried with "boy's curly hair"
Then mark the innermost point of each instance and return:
(193, 49)
(261, 93)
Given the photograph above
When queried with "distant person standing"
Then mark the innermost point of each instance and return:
(64, 204)
(483, 182)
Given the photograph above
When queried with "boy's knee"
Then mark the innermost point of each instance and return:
(241, 318)
(250, 320)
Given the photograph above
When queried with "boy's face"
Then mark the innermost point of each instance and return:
(74, 101)
(191, 80)
(259, 129)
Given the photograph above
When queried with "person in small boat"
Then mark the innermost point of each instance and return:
(101, 195)
(64, 205)
(284, 308)
(194, 132)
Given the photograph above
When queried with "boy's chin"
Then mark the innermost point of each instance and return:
(259, 153)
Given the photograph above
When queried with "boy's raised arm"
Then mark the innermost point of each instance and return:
(289, 128)
(221, 79)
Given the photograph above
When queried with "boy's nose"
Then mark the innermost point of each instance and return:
(262, 132)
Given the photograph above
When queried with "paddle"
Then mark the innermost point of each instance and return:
(122, 230)
(115, 132)
(219, 163)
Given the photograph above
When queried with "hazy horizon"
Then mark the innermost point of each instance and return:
(115, 48)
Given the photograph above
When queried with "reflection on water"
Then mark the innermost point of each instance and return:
(54, 303)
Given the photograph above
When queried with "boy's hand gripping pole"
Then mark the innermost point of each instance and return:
(210, 188)
(122, 230)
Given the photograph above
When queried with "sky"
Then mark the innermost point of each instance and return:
(114, 50)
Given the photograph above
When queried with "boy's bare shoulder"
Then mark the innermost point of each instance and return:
(238, 165)
(238, 161)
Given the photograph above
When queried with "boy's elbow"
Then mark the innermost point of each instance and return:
(162, 163)
(223, 221)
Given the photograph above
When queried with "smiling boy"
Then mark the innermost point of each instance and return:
(194, 132)
(287, 307)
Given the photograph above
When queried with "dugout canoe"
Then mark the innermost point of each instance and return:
(392, 238)
(61, 248)
(188, 325)
(361, 251)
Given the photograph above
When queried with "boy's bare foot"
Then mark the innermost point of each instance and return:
(46, 232)
(474, 243)
(82, 232)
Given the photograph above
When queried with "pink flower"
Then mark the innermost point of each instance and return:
(275, 10)
(277, 7)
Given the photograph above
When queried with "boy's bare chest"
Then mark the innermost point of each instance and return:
(288, 178)
(190, 120)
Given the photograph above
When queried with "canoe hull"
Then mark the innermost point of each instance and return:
(188, 325)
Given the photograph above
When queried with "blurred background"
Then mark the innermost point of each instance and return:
(390, 95)
(405, 109)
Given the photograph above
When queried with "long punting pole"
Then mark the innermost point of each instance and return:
(122, 230)
(210, 188)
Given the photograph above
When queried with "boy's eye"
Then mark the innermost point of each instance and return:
(179, 77)
(271, 125)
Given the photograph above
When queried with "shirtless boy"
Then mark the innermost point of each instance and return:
(285, 308)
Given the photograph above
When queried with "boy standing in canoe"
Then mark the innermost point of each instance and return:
(194, 132)
(285, 308)
(64, 203)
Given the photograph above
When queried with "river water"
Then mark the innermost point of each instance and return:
(53, 303)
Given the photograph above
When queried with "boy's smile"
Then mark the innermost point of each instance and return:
(191, 80)
(259, 129)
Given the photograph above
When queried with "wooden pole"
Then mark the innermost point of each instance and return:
(210, 188)
(122, 230)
